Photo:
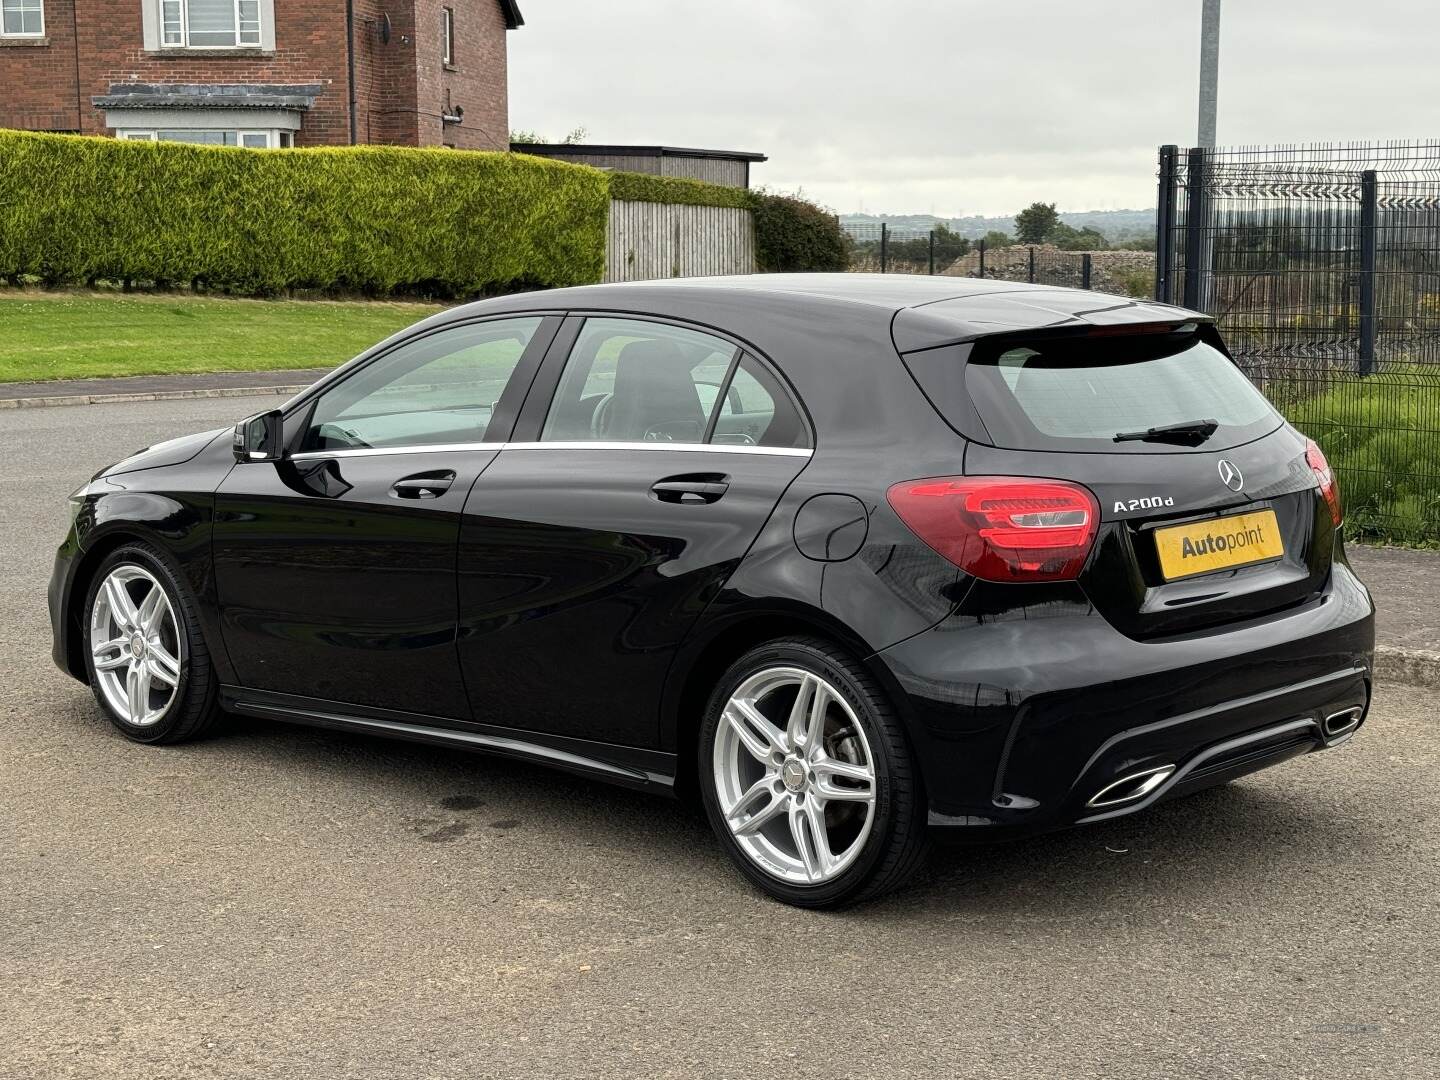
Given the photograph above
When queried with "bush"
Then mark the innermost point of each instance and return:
(1381, 435)
(645, 187)
(363, 219)
(794, 235)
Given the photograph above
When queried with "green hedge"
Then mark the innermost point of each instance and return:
(373, 220)
(363, 219)
(643, 187)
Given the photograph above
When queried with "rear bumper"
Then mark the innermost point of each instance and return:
(1043, 715)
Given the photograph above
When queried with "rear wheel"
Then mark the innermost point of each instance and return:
(148, 665)
(807, 777)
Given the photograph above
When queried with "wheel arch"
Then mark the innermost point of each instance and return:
(83, 576)
(707, 656)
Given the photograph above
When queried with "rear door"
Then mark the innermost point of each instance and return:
(652, 454)
(1201, 525)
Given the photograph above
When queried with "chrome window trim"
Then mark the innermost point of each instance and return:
(441, 448)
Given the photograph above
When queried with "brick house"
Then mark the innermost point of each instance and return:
(260, 73)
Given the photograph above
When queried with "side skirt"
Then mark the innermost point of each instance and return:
(648, 770)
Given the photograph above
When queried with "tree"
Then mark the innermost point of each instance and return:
(1069, 238)
(997, 239)
(524, 135)
(1035, 223)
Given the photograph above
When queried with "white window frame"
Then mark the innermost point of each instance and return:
(182, 26)
(29, 5)
(272, 136)
(447, 36)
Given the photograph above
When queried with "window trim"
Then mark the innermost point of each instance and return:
(184, 42)
(24, 35)
(537, 406)
(447, 36)
(272, 136)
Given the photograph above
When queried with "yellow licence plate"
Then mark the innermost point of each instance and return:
(1218, 544)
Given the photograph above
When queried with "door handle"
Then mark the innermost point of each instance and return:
(690, 490)
(429, 485)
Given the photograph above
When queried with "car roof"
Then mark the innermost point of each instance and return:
(923, 311)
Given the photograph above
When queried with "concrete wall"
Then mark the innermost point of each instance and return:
(660, 240)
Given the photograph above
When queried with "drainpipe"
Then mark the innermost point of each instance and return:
(79, 88)
(350, 71)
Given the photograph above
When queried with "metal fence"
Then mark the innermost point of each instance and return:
(1322, 266)
(898, 250)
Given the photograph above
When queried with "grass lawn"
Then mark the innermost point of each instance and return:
(79, 335)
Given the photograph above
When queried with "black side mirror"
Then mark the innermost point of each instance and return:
(260, 437)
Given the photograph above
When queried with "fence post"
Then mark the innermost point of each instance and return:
(932, 252)
(884, 245)
(1369, 224)
(1032, 266)
(1085, 270)
(1197, 265)
(1165, 225)
(982, 258)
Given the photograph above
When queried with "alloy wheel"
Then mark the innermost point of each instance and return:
(794, 775)
(135, 645)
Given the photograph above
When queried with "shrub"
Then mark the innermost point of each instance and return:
(644, 187)
(1381, 435)
(793, 234)
(364, 219)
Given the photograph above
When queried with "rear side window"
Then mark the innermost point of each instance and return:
(1078, 393)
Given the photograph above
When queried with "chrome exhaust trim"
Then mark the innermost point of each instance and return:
(1342, 722)
(1130, 788)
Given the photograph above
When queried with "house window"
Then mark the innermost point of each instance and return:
(447, 45)
(210, 24)
(254, 140)
(22, 18)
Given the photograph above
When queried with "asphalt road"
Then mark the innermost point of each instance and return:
(282, 902)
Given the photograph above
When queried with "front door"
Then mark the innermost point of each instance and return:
(588, 553)
(335, 567)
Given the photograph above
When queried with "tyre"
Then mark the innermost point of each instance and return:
(148, 665)
(807, 777)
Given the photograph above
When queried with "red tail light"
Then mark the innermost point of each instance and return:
(1315, 458)
(1002, 528)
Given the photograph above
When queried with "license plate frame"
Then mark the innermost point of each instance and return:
(1228, 542)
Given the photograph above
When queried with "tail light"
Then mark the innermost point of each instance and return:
(1315, 458)
(1002, 528)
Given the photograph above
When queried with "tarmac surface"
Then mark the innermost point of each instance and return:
(285, 902)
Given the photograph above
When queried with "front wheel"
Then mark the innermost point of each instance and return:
(807, 777)
(148, 664)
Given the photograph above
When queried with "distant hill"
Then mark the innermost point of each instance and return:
(1112, 224)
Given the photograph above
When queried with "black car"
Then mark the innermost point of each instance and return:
(856, 560)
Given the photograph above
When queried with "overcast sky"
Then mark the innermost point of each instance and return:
(969, 106)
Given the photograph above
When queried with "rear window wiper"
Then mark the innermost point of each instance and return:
(1190, 431)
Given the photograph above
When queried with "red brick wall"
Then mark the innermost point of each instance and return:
(477, 83)
(401, 86)
(37, 82)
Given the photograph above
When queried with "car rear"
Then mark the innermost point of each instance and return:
(1158, 598)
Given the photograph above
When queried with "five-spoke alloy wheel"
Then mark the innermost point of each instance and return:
(147, 661)
(798, 790)
(806, 776)
(135, 645)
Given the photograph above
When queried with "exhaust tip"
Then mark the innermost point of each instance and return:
(1130, 788)
(1342, 722)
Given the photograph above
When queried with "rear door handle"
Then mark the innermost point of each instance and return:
(429, 485)
(690, 490)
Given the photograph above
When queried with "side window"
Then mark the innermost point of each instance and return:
(627, 380)
(756, 410)
(442, 388)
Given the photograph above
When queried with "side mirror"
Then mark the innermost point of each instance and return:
(260, 437)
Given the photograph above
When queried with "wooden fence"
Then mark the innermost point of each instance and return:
(664, 240)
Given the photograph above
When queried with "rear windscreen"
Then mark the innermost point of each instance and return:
(1079, 393)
